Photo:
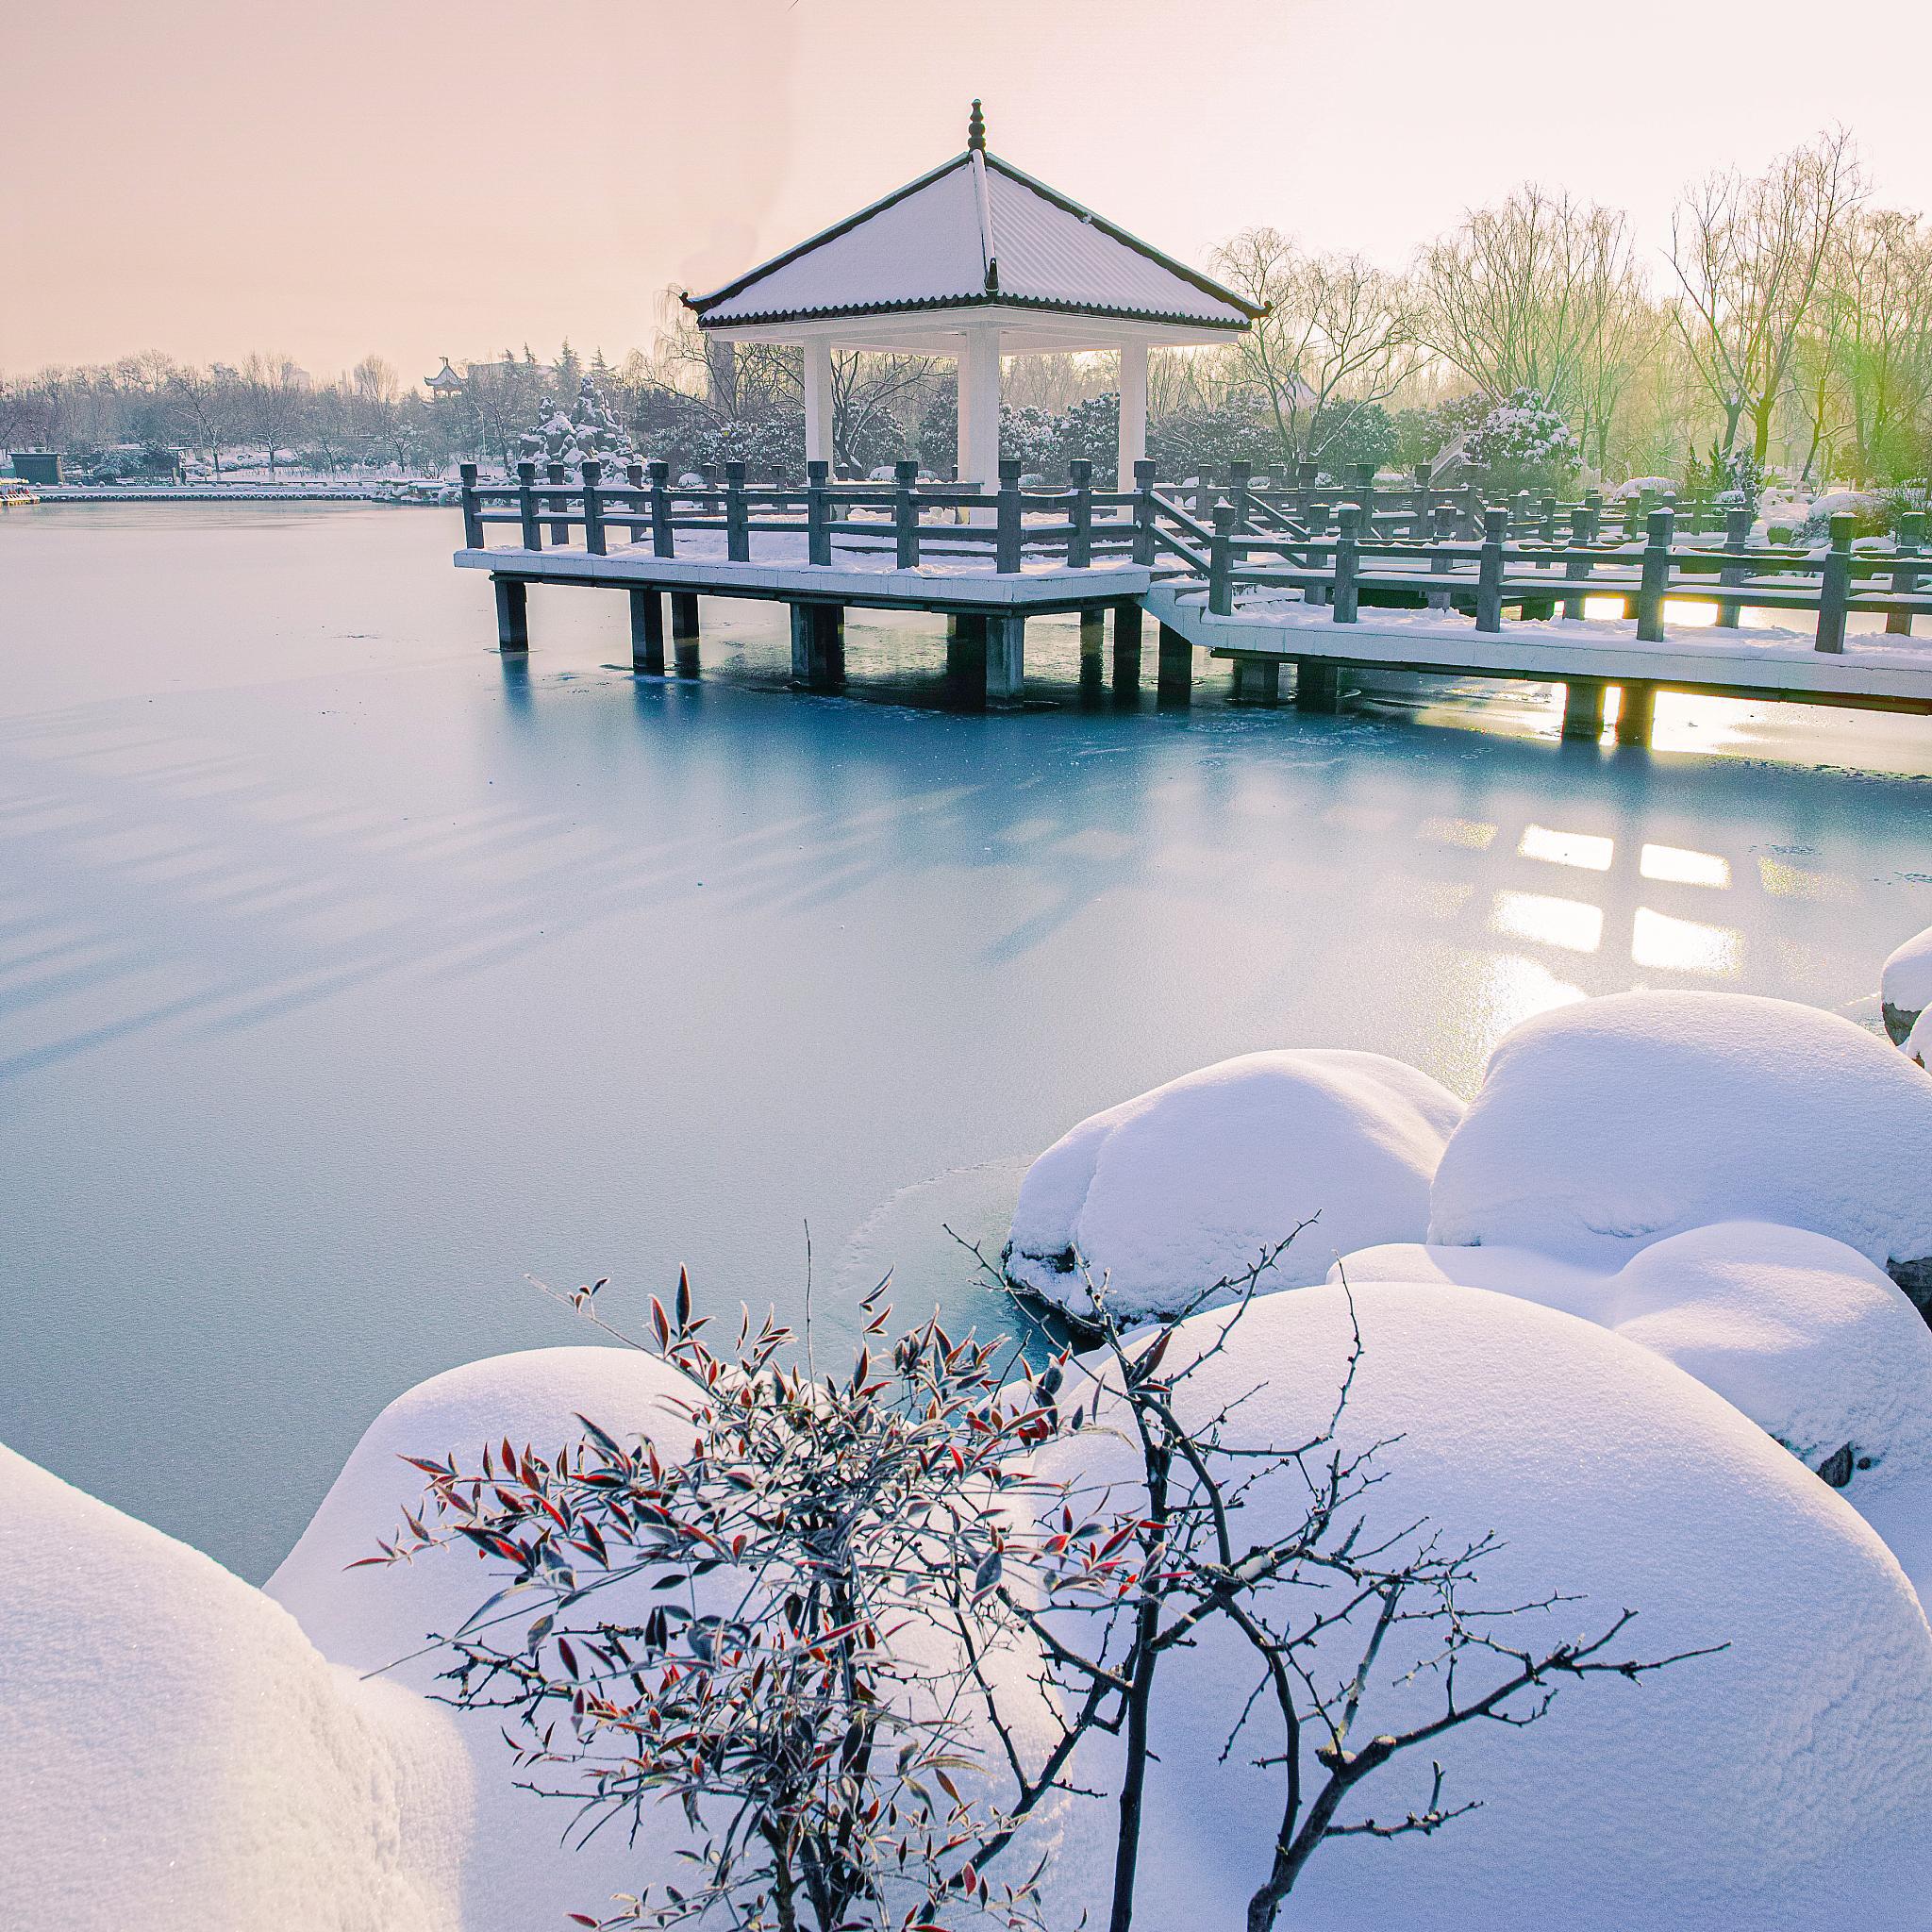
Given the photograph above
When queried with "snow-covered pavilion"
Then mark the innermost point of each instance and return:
(975, 260)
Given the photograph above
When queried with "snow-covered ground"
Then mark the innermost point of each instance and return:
(1628, 1314)
(1153, 1201)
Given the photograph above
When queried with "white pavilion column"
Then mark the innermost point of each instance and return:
(1133, 408)
(818, 400)
(979, 408)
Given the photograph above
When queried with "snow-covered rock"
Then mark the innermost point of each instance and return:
(1781, 1784)
(1807, 1337)
(1170, 1192)
(1612, 1123)
(518, 1873)
(175, 1754)
(1904, 985)
(1918, 1043)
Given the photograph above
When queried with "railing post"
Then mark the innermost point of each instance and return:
(737, 536)
(593, 507)
(662, 541)
(559, 507)
(817, 512)
(1006, 519)
(905, 517)
(1488, 581)
(1473, 513)
(1144, 512)
(1204, 491)
(1348, 560)
(1080, 514)
(1578, 567)
(1835, 586)
(1305, 478)
(1365, 491)
(1660, 529)
(1738, 538)
(1220, 563)
(1547, 529)
(1634, 511)
(1439, 527)
(634, 482)
(527, 505)
(1241, 479)
(1593, 503)
(1905, 573)
(473, 527)
(1421, 529)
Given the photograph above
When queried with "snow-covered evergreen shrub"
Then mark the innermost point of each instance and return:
(1525, 444)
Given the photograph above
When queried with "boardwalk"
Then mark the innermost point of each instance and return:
(1272, 577)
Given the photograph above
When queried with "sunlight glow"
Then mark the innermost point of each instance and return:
(1583, 849)
(1567, 922)
(1684, 945)
(1794, 882)
(1470, 833)
(1677, 865)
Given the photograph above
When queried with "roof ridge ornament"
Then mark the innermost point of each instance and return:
(975, 131)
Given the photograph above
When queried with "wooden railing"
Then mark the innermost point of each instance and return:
(1448, 548)
(1075, 525)
(1498, 573)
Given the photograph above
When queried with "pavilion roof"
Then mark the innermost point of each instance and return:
(974, 231)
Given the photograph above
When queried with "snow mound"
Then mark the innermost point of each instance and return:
(1904, 985)
(1781, 1784)
(179, 1755)
(1187, 1185)
(1803, 1334)
(1918, 1043)
(1607, 1124)
(519, 1874)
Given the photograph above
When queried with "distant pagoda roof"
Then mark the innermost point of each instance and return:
(974, 232)
(444, 379)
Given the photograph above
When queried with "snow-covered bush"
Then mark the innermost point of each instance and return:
(518, 1872)
(1638, 486)
(179, 1755)
(1904, 985)
(1870, 511)
(1607, 1125)
(1185, 1186)
(1804, 1335)
(1780, 1785)
(1525, 444)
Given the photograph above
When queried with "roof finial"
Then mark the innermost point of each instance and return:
(976, 130)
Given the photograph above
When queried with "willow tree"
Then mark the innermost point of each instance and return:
(1749, 255)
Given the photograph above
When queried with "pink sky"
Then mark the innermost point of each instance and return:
(207, 177)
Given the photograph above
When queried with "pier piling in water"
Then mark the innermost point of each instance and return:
(1583, 709)
(684, 632)
(1175, 675)
(512, 614)
(818, 646)
(647, 632)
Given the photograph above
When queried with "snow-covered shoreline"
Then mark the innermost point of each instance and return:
(1628, 1312)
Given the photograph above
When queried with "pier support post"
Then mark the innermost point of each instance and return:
(647, 632)
(1635, 713)
(684, 632)
(1583, 709)
(966, 660)
(1093, 638)
(1005, 660)
(1318, 686)
(1257, 680)
(818, 646)
(512, 614)
(1127, 647)
(1174, 679)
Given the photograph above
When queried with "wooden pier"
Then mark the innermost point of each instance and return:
(1258, 571)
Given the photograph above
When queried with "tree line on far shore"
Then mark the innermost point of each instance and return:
(1792, 334)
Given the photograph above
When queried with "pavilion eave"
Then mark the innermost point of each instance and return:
(1025, 329)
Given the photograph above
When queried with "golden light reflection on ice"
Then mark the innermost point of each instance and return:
(1470, 833)
(1585, 849)
(1677, 865)
(1566, 923)
(1684, 945)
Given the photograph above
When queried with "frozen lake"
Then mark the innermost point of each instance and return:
(348, 973)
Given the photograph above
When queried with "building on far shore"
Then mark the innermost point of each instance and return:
(39, 465)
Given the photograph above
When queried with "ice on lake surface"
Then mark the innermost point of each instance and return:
(349, 974)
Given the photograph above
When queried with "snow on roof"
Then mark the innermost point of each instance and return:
(936, 244)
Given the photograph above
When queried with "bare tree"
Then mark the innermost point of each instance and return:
(1337, 336)
(274, 393)
(1867, 359)
(209, 399)
(1517, 297)
(1749, 255)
